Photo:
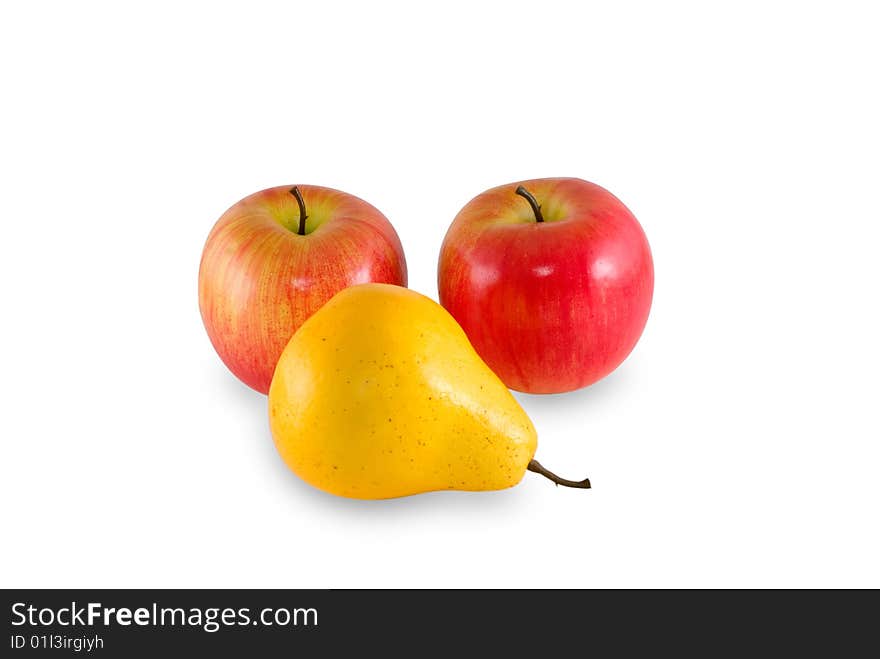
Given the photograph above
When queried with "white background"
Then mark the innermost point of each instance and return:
(738, 446)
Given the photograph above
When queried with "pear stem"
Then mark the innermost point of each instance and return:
(302, 209)
(536, 467)
(536, 207)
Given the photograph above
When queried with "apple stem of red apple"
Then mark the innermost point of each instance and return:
(302, 209)
(538, 468)
(536, 207)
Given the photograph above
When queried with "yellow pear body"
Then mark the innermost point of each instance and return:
(379, 394)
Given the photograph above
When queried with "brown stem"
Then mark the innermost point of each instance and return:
(302, 209)
(536, 467)
(536, 207)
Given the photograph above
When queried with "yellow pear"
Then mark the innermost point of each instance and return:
(379, 394)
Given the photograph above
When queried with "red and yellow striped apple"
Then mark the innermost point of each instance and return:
(551, 279)
(275, 258)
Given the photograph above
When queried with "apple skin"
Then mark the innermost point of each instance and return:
(551, 306)
(259, 279)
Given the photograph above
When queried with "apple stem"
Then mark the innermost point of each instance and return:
(536, 467)
(302, 209)
(536, 207)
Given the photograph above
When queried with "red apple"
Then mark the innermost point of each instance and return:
(551, 279)
(275, 258)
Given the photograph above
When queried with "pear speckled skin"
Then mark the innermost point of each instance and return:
(379, 394)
